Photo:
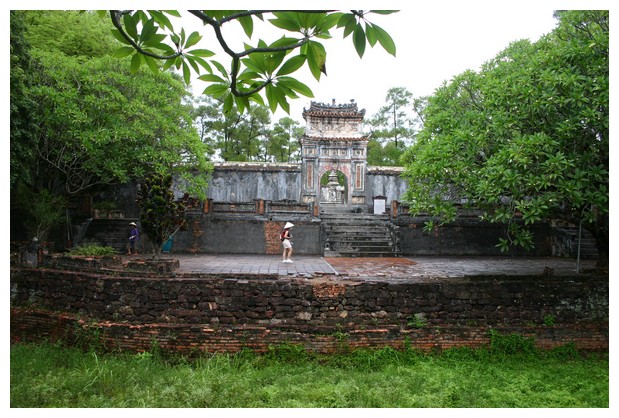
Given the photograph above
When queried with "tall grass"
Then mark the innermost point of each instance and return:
(46, 375)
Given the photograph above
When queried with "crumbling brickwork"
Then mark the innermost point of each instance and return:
(224, 313)
(271, 237)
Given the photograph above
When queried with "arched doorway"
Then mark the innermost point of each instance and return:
(334, 188)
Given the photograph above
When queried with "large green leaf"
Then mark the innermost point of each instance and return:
(384, 12)
(148, 31)
(247, 22)
(186, 73)
(292, 65)
(316, 57)
(286, 21)
(204, 53)
(370, 34)
(152, 64)
(295, 85)
(116, 33)
(216, 90)
(310, 20)
(211, 78)
(123, 51)
(136, 62)
(271, 97)
(202, 63)
(359, 40)
(162, 19)
(155, 41)
(221, 68)
(131, 26)
(349, 22)
(193, 39)
(228, 103)
(385, 39)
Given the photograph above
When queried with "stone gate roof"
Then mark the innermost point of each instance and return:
(346, 110)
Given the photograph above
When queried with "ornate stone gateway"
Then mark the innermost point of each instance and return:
(334, 155)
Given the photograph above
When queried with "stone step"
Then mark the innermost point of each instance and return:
(354, 217)
(358, 235)
(112, 232)
(346, 250)
(362, 254)
(349, 240)
(366, 232)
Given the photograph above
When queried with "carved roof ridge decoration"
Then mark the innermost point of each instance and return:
(384, 169)
(345, 110)
(319, 138)
(256, 166)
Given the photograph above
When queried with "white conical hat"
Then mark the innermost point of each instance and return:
(288, 225)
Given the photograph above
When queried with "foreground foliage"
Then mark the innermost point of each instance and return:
(503, 375)
(241, 75)
(93, 250)
(526, 139)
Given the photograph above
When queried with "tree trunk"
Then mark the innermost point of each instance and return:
(157, 251)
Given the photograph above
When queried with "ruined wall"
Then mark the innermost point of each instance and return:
(223, 313)
(465, 236)
(384, 181)
(246, 234)
(244, 182)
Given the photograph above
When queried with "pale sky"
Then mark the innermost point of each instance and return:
(435, 41)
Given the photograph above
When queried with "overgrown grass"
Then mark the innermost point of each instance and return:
(92, 250)
(510, 375)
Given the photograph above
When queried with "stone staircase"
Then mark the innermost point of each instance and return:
(588, 246)
(112, 232)
(349, 234)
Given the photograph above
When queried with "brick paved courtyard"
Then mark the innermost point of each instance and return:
(377, 268)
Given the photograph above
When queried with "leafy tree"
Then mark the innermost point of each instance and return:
(393, 117)
(249, 134)
(45, 210)
(283, 141)
(160, 214)
(99, 125)
(385, 155)
(257, 71)
(206, 115)
(234, 136)
(526, 139)
(70, 32)
(390, 128)
(22, 140)
(83, 121)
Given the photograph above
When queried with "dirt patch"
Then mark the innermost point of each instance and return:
(370, 266)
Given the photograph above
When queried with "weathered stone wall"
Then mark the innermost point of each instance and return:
(244, 182)
(465, 236)
(246, 234)
(221, 313)
(384, 181)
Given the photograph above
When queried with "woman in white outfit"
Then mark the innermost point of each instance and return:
(286, 237)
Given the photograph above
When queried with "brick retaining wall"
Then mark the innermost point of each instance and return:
(222, 313)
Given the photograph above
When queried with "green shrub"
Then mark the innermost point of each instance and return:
(511, 344)
(93, 250)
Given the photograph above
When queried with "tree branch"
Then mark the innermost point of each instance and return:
(115, 16)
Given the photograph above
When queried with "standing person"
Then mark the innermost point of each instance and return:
(286, 237)
(134, 237)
